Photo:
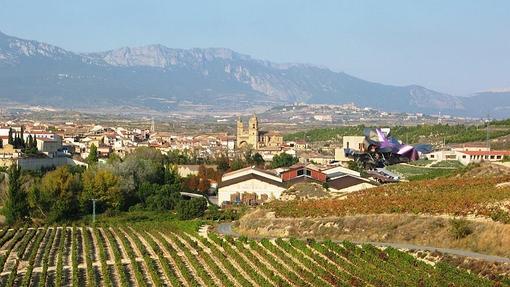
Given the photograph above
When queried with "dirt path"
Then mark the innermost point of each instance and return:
(458, 252)
(226, 229)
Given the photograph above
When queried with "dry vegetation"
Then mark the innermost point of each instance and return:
(486, 237)
(420, 212)
(305, 190)
(465, 195)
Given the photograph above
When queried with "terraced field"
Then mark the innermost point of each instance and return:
(161, 256)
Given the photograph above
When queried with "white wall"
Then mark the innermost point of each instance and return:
(250, 186)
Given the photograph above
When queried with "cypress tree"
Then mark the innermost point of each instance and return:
(92, 157)
(16, 204)
(11, 139)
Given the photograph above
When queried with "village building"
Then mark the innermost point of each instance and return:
(256, 138)
(469, 155)
(356, 143)
(253, 185)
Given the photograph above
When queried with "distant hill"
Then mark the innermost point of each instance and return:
(164, 79)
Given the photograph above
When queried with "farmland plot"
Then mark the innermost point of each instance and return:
(157, 256)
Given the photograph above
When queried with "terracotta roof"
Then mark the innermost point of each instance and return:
(492, 152)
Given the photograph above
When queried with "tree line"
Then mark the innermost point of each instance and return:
(143, 180)
(411, 134)
(17, 140)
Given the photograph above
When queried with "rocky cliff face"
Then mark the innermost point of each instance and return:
(158, 77)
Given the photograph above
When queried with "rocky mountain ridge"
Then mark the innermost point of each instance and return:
(165, 79)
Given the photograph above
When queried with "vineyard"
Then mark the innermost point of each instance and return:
(458, 196)
(141, 255)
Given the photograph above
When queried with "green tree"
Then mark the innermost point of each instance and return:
(283, 160)
(30, 146)
(92, 157)
(114, 158)
(177, 157)
(16, 204)
(102, 185)
(162, 197)
(11, 137)
(58, 197)
(223, 164)
(237, 164)
(193, 208)
(257, 159)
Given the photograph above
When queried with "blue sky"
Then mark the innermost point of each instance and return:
(456, 47)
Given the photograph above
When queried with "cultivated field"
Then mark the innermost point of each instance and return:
(456, 196)
(159, 256)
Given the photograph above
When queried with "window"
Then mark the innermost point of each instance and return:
(431, 156)
(300, 172)
(464, 156)
(308, 172)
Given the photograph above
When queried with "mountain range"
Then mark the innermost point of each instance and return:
(163, 79)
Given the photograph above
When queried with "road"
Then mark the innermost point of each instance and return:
(226, 229)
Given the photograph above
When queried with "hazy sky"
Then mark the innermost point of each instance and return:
(456, 47)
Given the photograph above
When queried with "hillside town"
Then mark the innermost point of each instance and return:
(39, 146)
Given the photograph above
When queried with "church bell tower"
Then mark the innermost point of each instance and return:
(253, 131)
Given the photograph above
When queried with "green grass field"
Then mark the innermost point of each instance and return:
(411, 172)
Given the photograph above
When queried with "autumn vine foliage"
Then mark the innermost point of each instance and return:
(459, 196)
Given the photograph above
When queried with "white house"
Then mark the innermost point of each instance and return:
(468, 156)
(249, 184)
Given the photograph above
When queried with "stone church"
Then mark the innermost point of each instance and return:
(256, 138)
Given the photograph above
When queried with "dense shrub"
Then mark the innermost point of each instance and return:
(460, 228)
(188, 209)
